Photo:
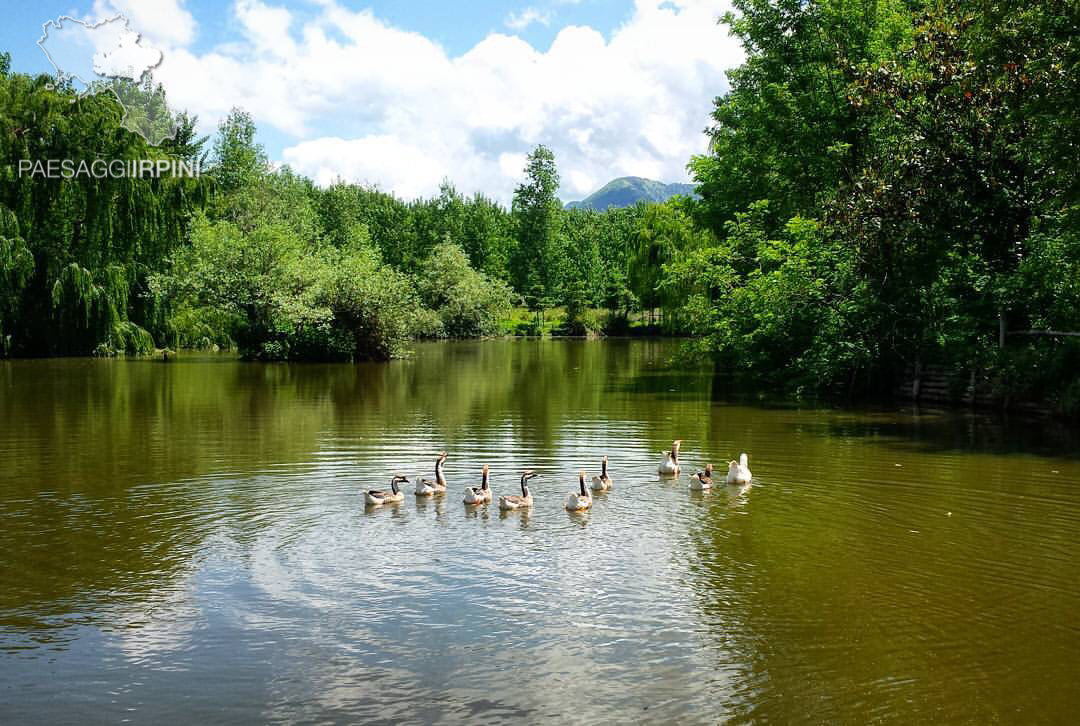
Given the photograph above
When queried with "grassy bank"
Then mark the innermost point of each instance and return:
(593, 321)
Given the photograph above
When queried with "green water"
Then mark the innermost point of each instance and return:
(188, 542)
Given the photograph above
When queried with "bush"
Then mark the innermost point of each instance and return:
(468, 302)
(616, 324)
(429, 325)
(528, 328)
(202, 328)
(584, 322)
(284, 300)
(374, 304)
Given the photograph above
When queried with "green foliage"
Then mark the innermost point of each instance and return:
(467, 302)
(939, 260)
(406, 233)
(238, 160)
(286, 299)
(16, 269)
(664, 233)
(581, 269)
(76, 253)
(372, 304)
(201, 327)
(487, 236)
(243, 275)
(536, 213)
(762, 304)
(145, 108)
(786, 130)
(921, 178)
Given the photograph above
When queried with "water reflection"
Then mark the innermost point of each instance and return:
(194, 537)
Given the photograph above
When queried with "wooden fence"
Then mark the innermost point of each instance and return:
(938, 384)
(1004, 332)
(929, 383)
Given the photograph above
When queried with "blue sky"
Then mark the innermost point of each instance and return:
(403, 94)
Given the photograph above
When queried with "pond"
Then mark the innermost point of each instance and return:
(188, 542)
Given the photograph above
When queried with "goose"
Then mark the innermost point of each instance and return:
(480, 494)
(738, 472)
(426, 487)
(702, 480)
(670, 465)
(603, 482)
(576, 501)
(382, 496)
(512, 501)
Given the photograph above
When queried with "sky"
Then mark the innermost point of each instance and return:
(402, 95)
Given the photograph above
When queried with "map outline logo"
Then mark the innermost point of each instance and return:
(121, 65)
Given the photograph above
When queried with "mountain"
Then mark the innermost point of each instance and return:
(626, 191)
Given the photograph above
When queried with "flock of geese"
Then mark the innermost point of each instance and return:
(738, 474)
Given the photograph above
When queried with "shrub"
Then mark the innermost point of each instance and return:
(583, 322)
(286, 300)
(468, 302)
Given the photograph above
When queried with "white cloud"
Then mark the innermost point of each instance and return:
(161, 22)
(266, 27)
(370, 102)
(525, 18)
(379, 160)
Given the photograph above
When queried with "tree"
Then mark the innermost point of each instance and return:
(786, 130)
(292, 300)
(664, 233)
(487, 236)
(238, 161)
(536, 212)
(375, 305)
(940, 213)
(468, 302)
(76, 252)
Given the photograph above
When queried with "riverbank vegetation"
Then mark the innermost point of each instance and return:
(887, 186)
(894, 185)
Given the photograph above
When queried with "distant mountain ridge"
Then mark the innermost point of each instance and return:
(626, 191)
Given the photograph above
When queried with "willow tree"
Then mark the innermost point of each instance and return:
(663, 234)
(75, 252)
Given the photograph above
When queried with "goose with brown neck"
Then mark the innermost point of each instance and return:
(376, 497)
(581, 499)
(670, 465)
(702, 480)
(512, 501)
(603, 482)
(427, 487)
(481, 494)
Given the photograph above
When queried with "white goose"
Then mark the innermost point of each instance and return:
(670, 465)
(481, 494)
(702, 480)
(577, 501)
(426, 487)
(603, 482)
(738, 473)
(382, 496)
(512, 501)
